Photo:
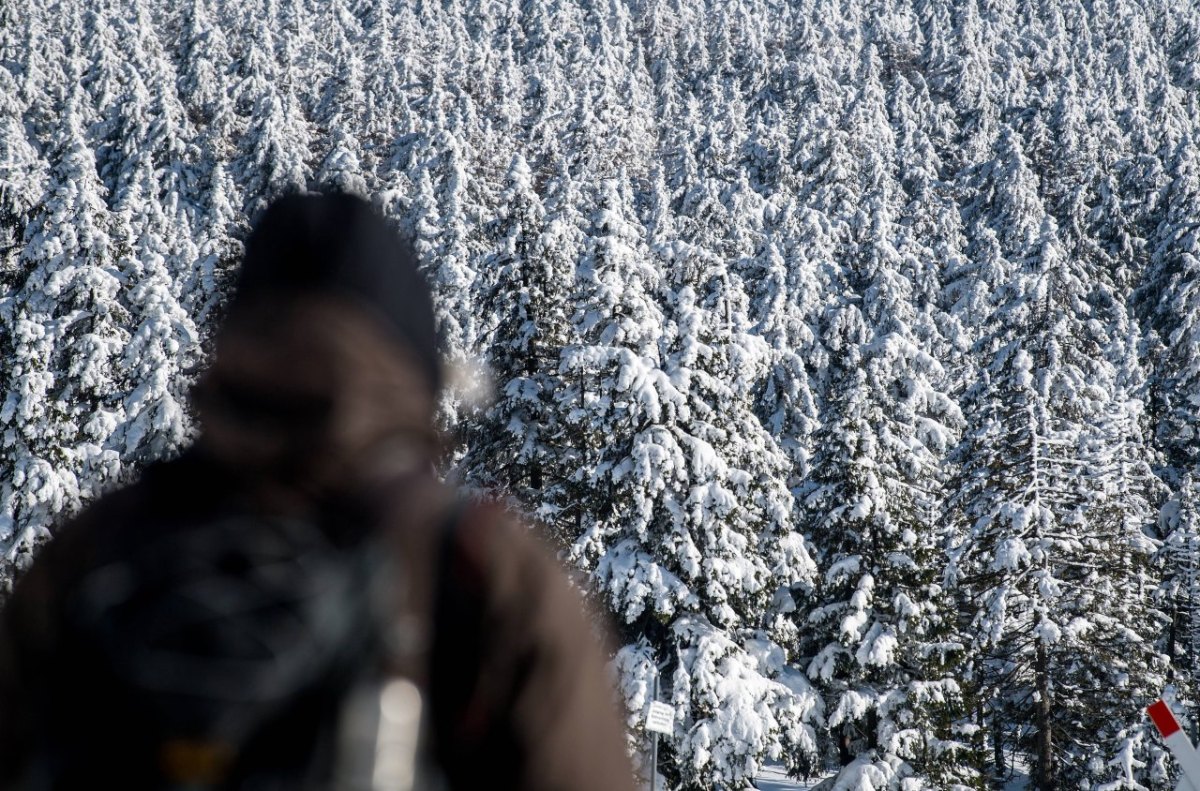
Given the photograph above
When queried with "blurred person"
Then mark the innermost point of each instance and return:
(296, 601)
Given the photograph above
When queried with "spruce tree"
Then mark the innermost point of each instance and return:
(878, 634)
(23, 173)
(517, 446)
(1055, 631)
(64, 327)
(688, 536)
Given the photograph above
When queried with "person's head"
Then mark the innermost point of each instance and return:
(327, 359)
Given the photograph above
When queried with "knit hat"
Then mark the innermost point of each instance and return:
(337, 243)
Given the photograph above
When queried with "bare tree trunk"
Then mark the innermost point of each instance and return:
(1000, 767)
(1045, 738)
(979, 745)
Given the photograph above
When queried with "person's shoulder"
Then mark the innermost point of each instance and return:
(496, 536)
(518, 567)
(81, 540)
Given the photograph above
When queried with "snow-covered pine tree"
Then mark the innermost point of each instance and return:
(1052, 622)
(44, 80)
(22, 179)
(1122, 595)
(162, 349)
(384, 88)
(204, 63)
(1173, 293)
(274, 152)
(341, 168)
(879, 633)
(449, 245)
(12, 39)
(340, 100)
(787, 293)
(64, 329)
(688, 530)
(105, 77)
(517, 445)
(218, 249)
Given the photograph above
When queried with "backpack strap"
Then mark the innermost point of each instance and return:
(460, 714)
(482, 655)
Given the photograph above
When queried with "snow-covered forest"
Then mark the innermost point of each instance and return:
(849, 349)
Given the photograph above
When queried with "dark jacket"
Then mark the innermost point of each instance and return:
(310, 409)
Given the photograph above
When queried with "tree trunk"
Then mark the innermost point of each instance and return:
(1000, 767)
(1172, 638)
(845, 756)
(1045, 741)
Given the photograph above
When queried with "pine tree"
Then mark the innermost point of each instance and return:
(1172, 285)
(218, 249)
(1053, 627)
(22, 179)
(454, 267)
(341, 168)
(878, 635)
(204, 62)
(273, 157)
(688, 531)
(64, 328)
(789, 291)
(163, 342)
(517, 446)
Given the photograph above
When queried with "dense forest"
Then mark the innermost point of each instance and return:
(848, 350)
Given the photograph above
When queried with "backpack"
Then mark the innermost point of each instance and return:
(247, 651)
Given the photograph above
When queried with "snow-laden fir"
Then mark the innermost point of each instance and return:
(848, 350)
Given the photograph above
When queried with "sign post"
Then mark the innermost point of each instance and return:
(1178, 743)
(660, 718)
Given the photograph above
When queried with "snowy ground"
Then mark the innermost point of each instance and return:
(1019, 781)
(774, 778)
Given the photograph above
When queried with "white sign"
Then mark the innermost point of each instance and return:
(660, 718)
(1179, 744)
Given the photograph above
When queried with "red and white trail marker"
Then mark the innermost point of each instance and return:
(1179, 744)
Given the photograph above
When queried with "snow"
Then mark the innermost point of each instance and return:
(878, 647)
(774, 777)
